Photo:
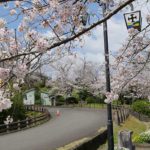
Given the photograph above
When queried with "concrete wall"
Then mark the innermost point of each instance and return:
(93, 143)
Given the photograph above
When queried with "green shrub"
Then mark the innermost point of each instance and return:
(71, 100)
(37, 98)
(17, 111)
(116, 102)
(90, 99)
(100, 98)
(142, 107)
(143, 137)
(83, 94)
(59, 100)
(44, 89)
(75, 94)
(38, 85)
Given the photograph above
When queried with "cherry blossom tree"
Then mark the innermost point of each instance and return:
(78, 73)
(29, 29)
(132, 64)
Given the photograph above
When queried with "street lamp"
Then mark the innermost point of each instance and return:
(107, 72)
(108, 87)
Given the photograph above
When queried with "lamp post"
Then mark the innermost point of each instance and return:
(108, 87)
(107, 72)
(107, 75)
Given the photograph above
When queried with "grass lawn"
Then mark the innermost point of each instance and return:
(33, 114)
(132, 124)
(94, 105)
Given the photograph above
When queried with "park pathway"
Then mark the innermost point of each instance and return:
(71, 125)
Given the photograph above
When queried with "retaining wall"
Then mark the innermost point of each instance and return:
(94, 142)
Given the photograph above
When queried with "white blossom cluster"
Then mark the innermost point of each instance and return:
(20, 71)
(5, 103)
(4, 73)
(8, 120)
(2, 23)
(110, 97)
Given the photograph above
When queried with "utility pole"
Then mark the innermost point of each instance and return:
(108, 88)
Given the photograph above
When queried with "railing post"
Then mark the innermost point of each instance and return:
(123, 114)
(34, 120)
(118, 118)
(121, 117)
(27, 122)
(7, 127)
(18, 124)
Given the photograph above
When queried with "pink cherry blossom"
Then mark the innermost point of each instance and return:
(5, 103)
(20, 71)
(2, 23)
(4, 73)
(110, 97)
(12, 12)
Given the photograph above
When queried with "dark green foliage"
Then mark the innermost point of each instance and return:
(71, 100)
(143, 138)
(142, 107)
(83, 94)
(60, 100)
(37, 98)
(117, 102)
(17, 110)
(90, 99)
(95, 99)
(38, 85)
(100, 99)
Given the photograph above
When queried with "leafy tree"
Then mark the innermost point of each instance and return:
(59, 100)
(90, 99)
(17, 111)
(71, 100)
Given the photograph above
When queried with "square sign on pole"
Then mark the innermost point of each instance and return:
(133, 20)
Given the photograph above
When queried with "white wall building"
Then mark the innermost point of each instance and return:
(29, 97)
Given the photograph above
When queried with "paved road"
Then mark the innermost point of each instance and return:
(71, 125)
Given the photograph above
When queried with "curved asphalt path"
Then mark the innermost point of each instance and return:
(71, 125)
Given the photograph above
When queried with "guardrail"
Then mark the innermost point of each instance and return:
(120, 113)
(28, 122)
(125, 111)
(94, 106)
